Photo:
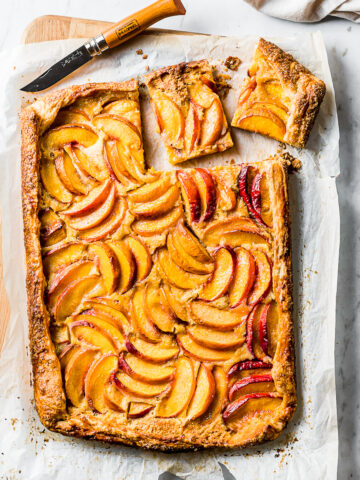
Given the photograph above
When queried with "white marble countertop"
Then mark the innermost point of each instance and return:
(342, 38)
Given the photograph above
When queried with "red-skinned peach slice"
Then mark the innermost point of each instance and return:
(266, 211)
(235, 406)
(243, 181)
(157, 353)
(215, 338)
(207, 190)
(91, 220)
(115, 164)
(148, 227)
(192, 129)
(141, 256)
(109, 225)
(192, 245)
(145, 371)
(150, 191)
(85, 162)
(213, 234)
(199, 352)
(221, 278)
(221, 387)
(108, 264)
(247, 91)
(102, 324)
(92, 201)
(52, 183)
(67, 354)
(202, 95)
(261, 120)
(248, 365)
(203, 395)
(156, 312)
(89, 334)
(62, 255)
(251, 380)
(244, 277)
(96, 380)
(204, 314)
(191, 195)
(139, 409)
(129, 385)
(209, 83)
(69, 175)
(75, 373)
(109, 314)
(140, 320)
(66, 134)
(256, 194)
(126, 263)
(212, 124)
(178, 308)
(157, 207)
(250, 329)
(182, 390)
(263, 334)
(170, 120)
(113, 398)
(175, 275)
(183, 259)
(120, 107)
(119, 128)
(263, 277)
(53, 234)
(133, 162)
(72, 296)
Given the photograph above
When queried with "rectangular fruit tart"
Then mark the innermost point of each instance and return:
(159, 303)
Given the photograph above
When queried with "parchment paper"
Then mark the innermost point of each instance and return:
(308, 447)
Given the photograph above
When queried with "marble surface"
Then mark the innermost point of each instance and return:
(342, 39)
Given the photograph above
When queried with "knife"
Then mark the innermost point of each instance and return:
(112, 37)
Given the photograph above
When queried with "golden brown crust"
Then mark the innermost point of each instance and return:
(167, 434)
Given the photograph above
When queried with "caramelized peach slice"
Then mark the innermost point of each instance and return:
(126, 263)
(90, 334)
(183, 259)
(141, 323)
(86, 163)
(246, 92)
(213, 338)
(203, 395)
(69, 175)
(62, 255)
(263, 277)
(145, 371)
(182, 390)
(107, 312)
(192, 245)
(92, 201)
(109, 225)
(96, 380)
(199, 352)
(177, 307)
(233, 229)
(227, 196)
(108, 264)
(124, 108)
(204, 314)
(191, 195)
(147, 227)
(202, 95)
(75, 373)
(250, 403)
(66, 134)
(221, 387)
(103, 324)
(274, 106)
(72, 296)
(260, 198)
(141, 256)
(139, 409)
(170, 120)
(52, 229)
(119, 128)
(157, 207)
(115, 164)
(133, 162)
(222, 276)
(176, 275)
(261, 120)
(127, 384)
(243, 279)
(151, 352)
(113, 398)
(246, 177)
(157, 313)
(52, 183)
(192, 129)
(252, 384)
(207, 189)
(150, 191)
(246, 365)
(67, 354)
(97, 216)
(66, 116)
(212, 124)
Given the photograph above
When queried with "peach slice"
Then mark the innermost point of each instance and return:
(261, 401)
(202, 95)
(192, 245)
(113, 398)
(213, 338)
(147, 227)
(227, 196)
(276, 107)
(222, 276)
(248, 365)
(96, 380)
(52, 229)
(260, 198)
(210, 83)
(243, 181)
(175, 275)
(157, 207)
(170, 120)
(142, 257)
(267, 329)
(107, 312)
(203, 395)
(141, 323)
(133, 162)
(156, 312)
(69, 300)
(119, 128)
(66, 116)
(90, 334)
(263, 277)
(233, 225)
(69, 175)
(93, 219)
(143, 370)
(127, 384)
(68, 134)
(139, 409)
(192, 129)
(150, 191)
(87, 165)
(182, 390)
(183, 259)
(261, 120)
(207, 190)
(67, 354)
(212, 124)
(221, 387)
(120, 107)
(252, 384)
(126, 263)
(151, 352)
(204, 314)
(65, 276)
(103, 324)
(75, 373)
(108, 264)
(191, 195)
(92, 201)
(109, 225)
(244, 277)
(247, 90)
(52, 183)
(199, 352)
(62, 255)
(177, 307)
(115, 164)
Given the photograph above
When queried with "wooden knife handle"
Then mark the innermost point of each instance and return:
(137, 22)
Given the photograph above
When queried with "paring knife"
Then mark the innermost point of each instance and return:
(112, 37)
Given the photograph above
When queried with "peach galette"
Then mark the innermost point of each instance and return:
(280, 98)
(159, 302)
(188, 111)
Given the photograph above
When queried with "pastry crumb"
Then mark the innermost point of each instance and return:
(145, 56)
(139, 52)
(233, 63)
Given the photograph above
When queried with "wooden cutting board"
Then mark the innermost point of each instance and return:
(42, 29)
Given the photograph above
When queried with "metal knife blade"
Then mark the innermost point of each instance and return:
(59, 70)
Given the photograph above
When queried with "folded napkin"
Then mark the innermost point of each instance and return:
(308, 10)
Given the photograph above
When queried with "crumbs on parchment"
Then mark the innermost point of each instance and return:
(233, 63)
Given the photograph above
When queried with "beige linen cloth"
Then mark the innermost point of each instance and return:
(308, 10)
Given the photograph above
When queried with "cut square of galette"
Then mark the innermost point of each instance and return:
(280, 98)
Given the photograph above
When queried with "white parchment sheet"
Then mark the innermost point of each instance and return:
(307, 450)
